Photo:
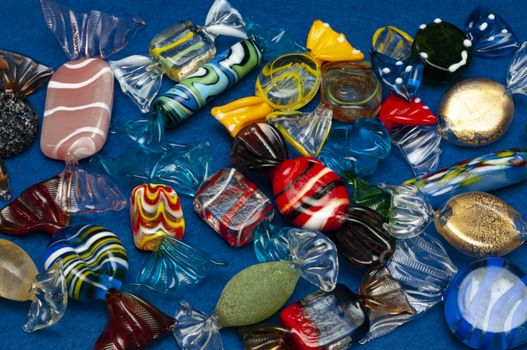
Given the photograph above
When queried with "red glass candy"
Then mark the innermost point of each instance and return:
(309, 194)
(34, 210)
(133, 323)
(396, 111)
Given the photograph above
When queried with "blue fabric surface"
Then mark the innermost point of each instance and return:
(22, 29)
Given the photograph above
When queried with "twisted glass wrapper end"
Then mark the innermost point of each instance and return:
(195, 330)
(5, 190)
(517, 72)
(410, 212)
(175, 265)
(93, 34)
(81, 192)
(224, 19)
(271, 243)
(368, 195)
(50, 298)
(265, 337)
(315, 256)
(146, 133)
(490, 35)
(185, 170)
(139, 78)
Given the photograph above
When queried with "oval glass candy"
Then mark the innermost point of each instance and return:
(17, 272)
(480, 224)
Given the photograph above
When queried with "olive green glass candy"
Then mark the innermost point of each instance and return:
(480, 224)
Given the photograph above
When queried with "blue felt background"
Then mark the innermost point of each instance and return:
(22, 29)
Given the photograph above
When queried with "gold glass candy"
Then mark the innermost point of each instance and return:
(480, 224)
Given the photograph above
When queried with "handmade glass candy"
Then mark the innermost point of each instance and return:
(178, 51)
(397, 111)
(480, 224)
(486, 305)
(20, 77)
(368, 195)
(356, 148)
(5, 190)
(351, 89)
(22, 282)
(240, 113)
(486, 173)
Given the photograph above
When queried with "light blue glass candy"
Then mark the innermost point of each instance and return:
(270, 242)
(175, 265)
(486, 305)
(357, 147)
(491, 36)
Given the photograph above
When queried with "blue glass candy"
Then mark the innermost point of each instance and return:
(270, 242)
(175, 265)
(486, 305)
(357, 147)
(491, 36)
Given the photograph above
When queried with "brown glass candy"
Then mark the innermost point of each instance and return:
(34, 210)
(362, 239)
(258, 147)
(265, 337)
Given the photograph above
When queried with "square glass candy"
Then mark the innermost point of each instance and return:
(326, 320)
(181, 49)
(232, 205)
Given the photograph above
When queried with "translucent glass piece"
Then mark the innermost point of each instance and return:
(133, 323)
(271, 243)
(396, 111)
(223, 19)
(50, 298)
(35, 210)
(17, 272)
(369, 195)
(491, 36)
(273, 42)
(486, 305)
(265, 337)
(93, 34)
(485, 173)
(316, 257)
(146, 133)
(5, 190)
(420, 146)
(356, 148)
(195, 330)
(175, 265)
(306, 132)
(21, 74)
(410, 212)
(139, 78)
(517, 72)
(326, 320)
(81, 192)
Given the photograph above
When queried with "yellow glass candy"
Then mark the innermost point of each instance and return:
(17, 272)
(330, 46)
(238, 114)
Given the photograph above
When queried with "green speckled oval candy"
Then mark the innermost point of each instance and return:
(256, 293)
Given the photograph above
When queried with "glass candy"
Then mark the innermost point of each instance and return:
(394, 63)
(480, 224)
(266, 337)
(273, 42)
(208, 82)
(155, 212)
(491, 36)
(177, 51)
(240, 113)
(20, 77)
(397, 111)
(363, 239)
(351, 89)
(35, 210)
(306, 132)
(271, 243)
(5, 190)
(485, 305)
(22, 282)
(232, 205)
(445, 49)
(356, 148)
(485, 173)
(368, 195)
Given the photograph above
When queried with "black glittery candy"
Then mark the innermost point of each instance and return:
(445, 49)
(18, 125)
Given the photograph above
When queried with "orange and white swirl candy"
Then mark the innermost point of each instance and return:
(155, 212)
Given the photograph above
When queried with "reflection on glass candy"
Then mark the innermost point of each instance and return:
(351, 89)
(20, 76)
(306, 132)
(485, 173)
(22, 282)
(356, 148)
(5, 190)
(232, 205)
(486, 305)
(480, 224)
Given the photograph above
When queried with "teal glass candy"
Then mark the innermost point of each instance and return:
(270, 242)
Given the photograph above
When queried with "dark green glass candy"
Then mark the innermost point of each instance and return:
(368, 195)
(445, 49)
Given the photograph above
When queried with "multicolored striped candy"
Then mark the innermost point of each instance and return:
(155, 212)
(93, 258)
(309, 194)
